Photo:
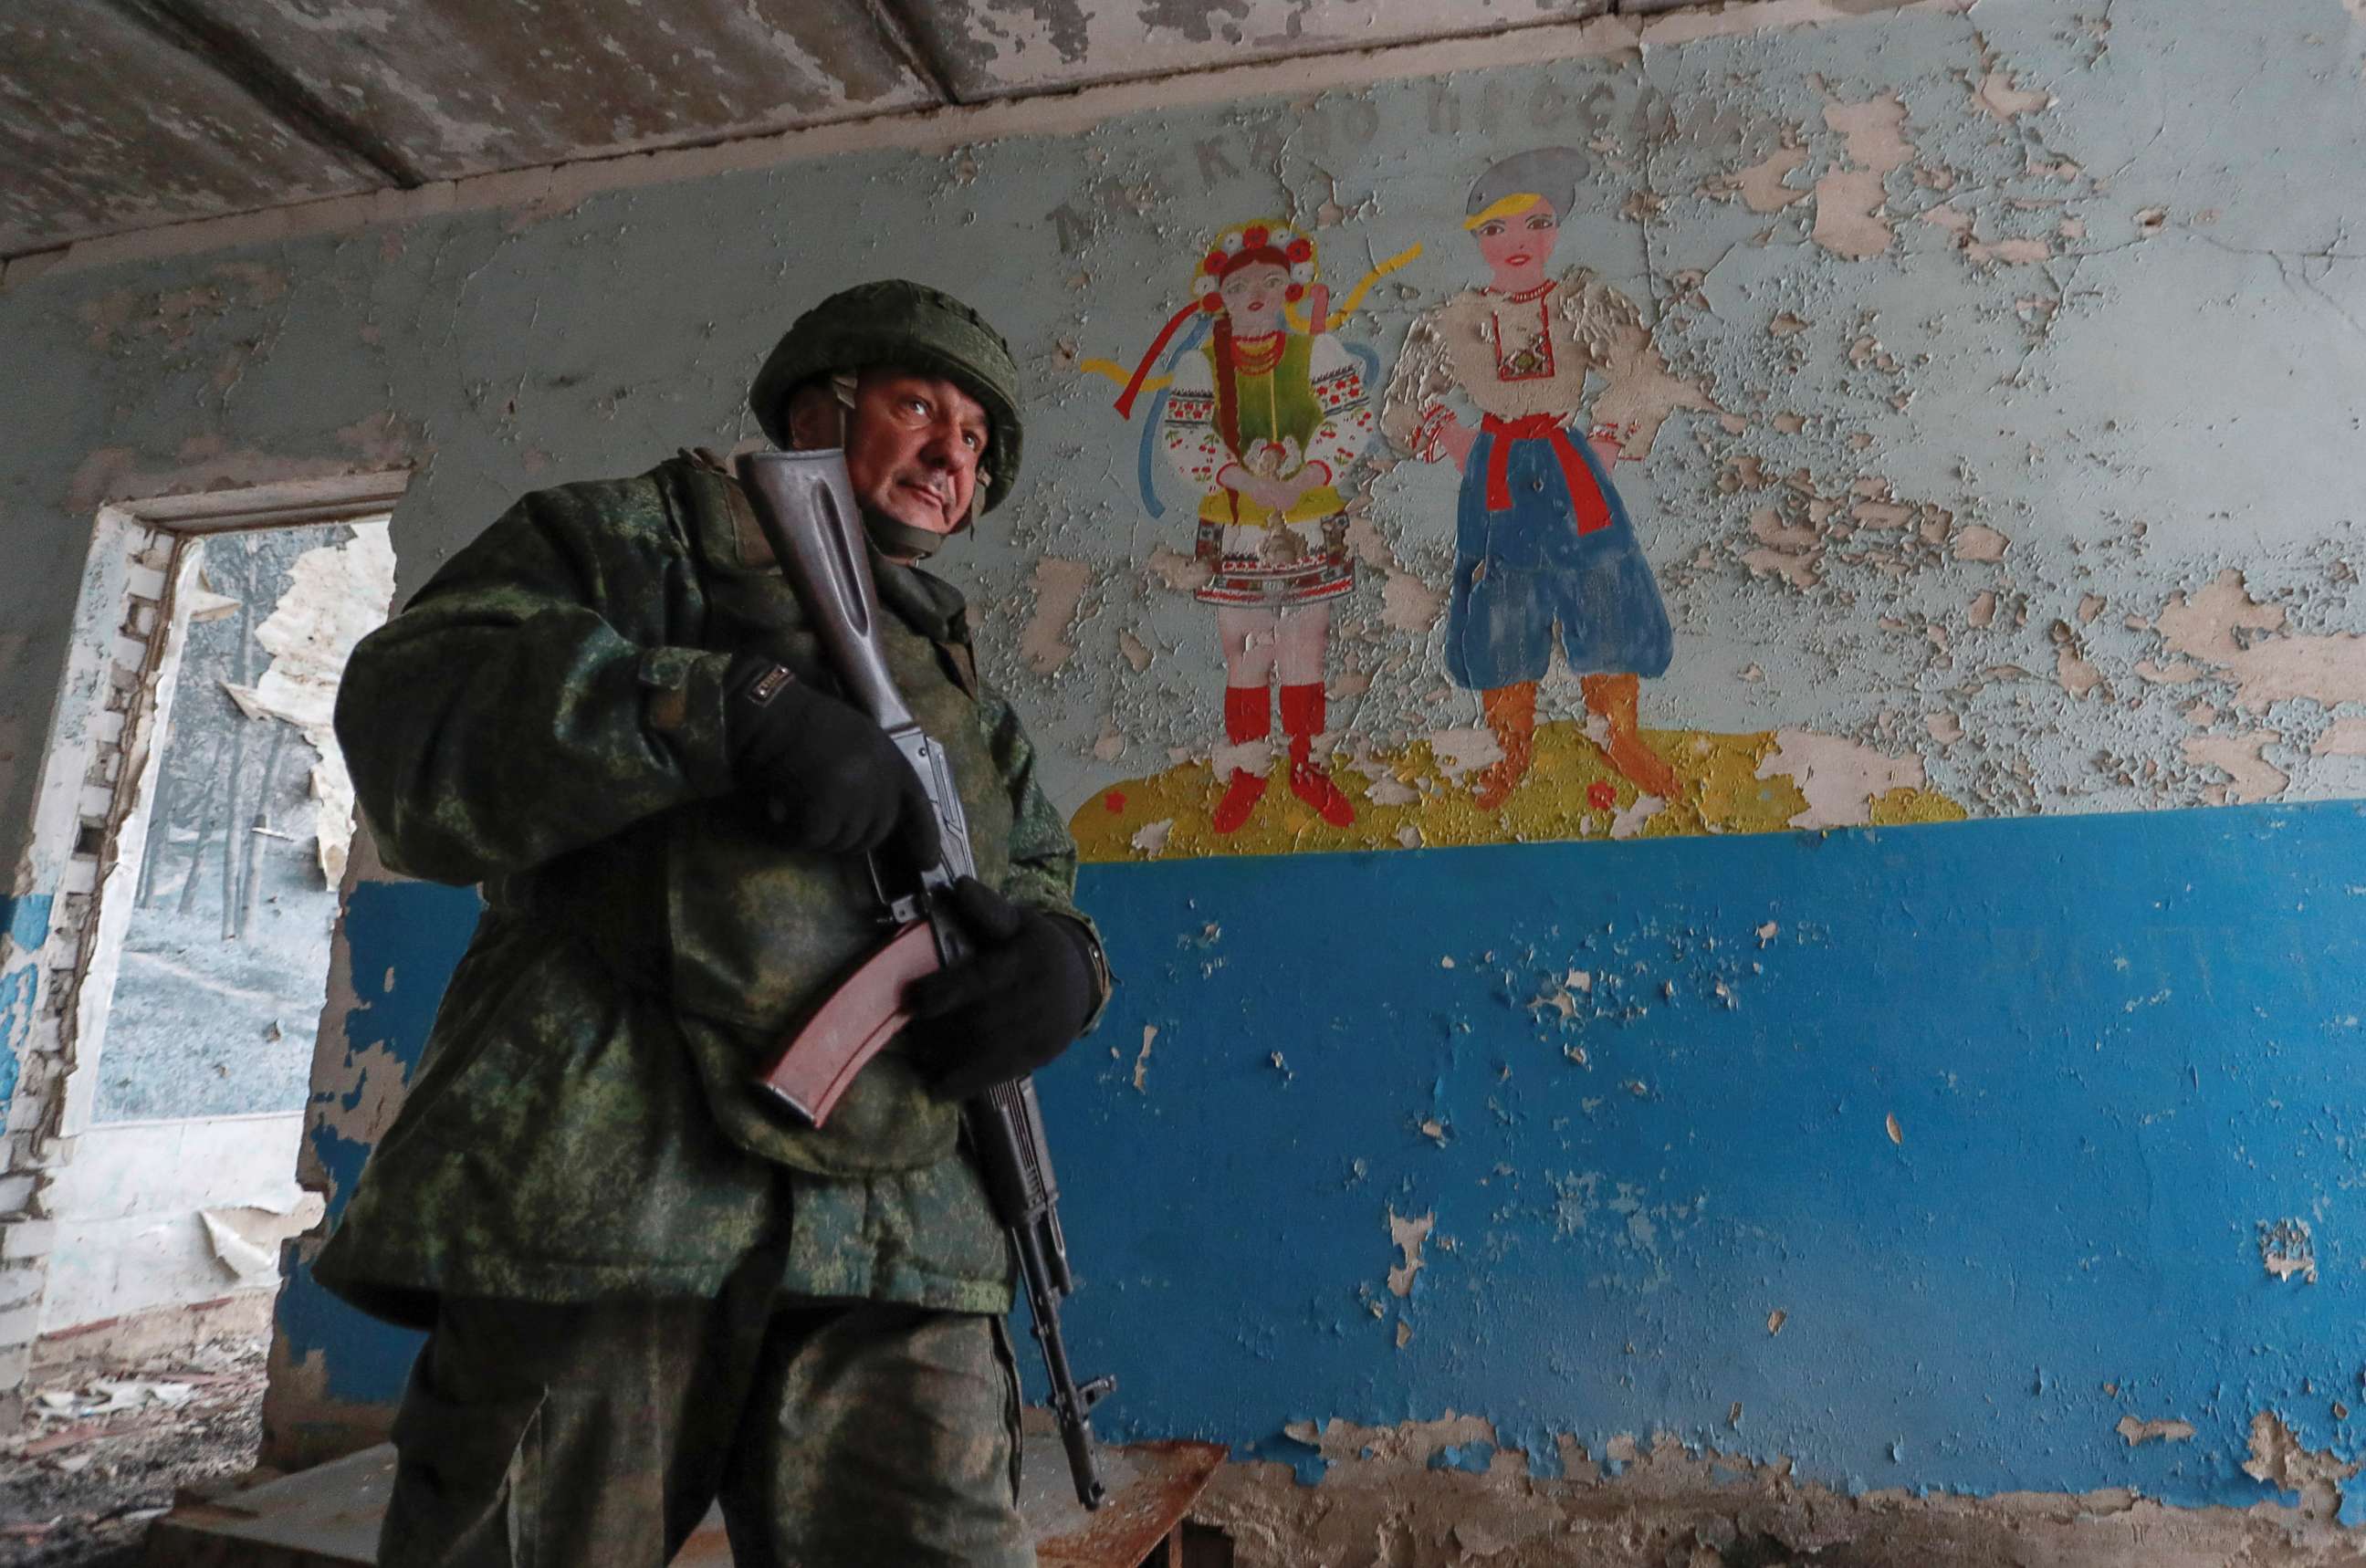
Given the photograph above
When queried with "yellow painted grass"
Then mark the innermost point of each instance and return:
(1722, 794)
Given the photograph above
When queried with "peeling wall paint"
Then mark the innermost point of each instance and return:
(1883, 479)
(2005, 393)
(24, 929)
(1048, 44)
(336, 1374)
(1954, 1159)
(1857, 1165)
(157, 1214)
(171, 121)
(1405, 1490)
(341, 593)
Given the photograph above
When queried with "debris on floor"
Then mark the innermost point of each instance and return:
(105, 1448)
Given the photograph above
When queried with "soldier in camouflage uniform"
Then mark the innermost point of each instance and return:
(646, 1289)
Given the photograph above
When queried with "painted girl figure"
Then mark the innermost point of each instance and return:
(1263, 420)
(1542, 541)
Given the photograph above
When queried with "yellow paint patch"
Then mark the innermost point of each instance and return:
(1504, 206)
(1572, 792)
(1904, 807)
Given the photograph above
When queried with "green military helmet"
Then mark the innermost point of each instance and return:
(908, 326)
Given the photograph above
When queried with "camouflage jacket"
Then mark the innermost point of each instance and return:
(546, 718)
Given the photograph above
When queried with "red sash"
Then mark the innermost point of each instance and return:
(1584, 495)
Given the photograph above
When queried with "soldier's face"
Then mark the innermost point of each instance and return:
(913, 447)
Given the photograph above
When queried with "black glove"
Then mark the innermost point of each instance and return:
(837, 782)
(1011, 1006)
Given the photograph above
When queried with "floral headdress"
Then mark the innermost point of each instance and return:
(1239, 245)
(1278, 244)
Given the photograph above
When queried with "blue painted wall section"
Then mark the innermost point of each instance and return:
(2117, 1050)
(2114, 1047)
(25, 922)
(405, 939)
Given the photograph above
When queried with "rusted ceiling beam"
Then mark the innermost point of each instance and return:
(188, 28)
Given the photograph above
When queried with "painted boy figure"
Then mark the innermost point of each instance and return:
(1542, 540)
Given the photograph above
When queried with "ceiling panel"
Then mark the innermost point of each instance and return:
(104, 126)
(999, 48)
(466, 86)
(119, 115)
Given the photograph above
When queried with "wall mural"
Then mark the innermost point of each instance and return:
(1258, 416)
(1261, 414)
(1545, 553)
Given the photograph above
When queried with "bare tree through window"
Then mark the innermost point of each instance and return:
(226, 959)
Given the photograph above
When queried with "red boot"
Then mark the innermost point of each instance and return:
(1302, 720)
(1248, 716)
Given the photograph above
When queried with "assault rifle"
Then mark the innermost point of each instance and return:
(806, 505)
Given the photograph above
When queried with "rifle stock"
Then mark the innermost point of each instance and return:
(806, 505)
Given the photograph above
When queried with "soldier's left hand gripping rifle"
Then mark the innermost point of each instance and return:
(806, 505)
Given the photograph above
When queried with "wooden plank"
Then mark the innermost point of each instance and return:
(328, 1517)
(322, 1518)
(1151, 1487)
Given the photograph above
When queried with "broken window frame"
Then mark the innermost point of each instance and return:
(96, 774)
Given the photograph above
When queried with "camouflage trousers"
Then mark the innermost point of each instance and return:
(597, 1436)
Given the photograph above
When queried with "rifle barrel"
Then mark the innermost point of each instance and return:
(1071, 1406)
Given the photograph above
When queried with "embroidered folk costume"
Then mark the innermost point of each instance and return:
(1543, 543)
(1263, 411)
(1287, 402)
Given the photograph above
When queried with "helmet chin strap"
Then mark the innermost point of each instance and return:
(898, 540)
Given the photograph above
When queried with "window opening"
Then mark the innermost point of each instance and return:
(197, 993)
(225, 958)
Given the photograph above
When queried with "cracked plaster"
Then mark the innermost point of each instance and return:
(1409, 1496)
(2164, 397)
